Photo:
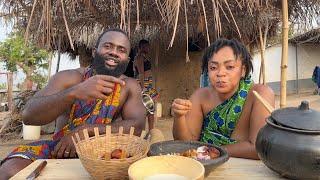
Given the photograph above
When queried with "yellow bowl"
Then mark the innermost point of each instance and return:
(166, 167)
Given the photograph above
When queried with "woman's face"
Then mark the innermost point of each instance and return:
(225, 71)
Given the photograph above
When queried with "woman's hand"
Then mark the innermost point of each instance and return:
(181, 107)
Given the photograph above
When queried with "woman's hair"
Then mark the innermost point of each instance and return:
(239, 51)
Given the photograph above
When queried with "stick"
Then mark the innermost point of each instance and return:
(264, 102)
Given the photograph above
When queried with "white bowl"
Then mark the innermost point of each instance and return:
(166, 167)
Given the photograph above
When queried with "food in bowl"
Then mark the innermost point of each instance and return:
(174, 146)
(115, 154)
(201, 153)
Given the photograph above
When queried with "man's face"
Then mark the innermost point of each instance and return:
(145, 48)
(111, 55)
(225, 71)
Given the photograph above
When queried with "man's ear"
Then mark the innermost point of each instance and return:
(94, 50)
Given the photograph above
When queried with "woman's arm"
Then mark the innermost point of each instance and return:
(187, 118)
(258, 113)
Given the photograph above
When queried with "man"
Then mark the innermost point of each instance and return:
(143, 73)
(80, 99)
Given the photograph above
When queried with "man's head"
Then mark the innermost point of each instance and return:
(111, 53)
(144, 46)
(226, 61)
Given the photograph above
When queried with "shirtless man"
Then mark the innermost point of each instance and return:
(82, 98)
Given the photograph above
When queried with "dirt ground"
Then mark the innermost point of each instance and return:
(165, 124)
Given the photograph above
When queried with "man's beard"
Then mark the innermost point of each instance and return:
(99, 65)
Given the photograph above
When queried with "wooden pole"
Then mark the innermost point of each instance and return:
(262, 76)
(59, 53)
(10, 90)
(284, 57)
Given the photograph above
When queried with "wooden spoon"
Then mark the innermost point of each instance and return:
(263, 101)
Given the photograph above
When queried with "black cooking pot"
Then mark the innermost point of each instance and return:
(290, 142)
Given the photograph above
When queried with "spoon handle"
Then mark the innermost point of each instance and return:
(263, 101)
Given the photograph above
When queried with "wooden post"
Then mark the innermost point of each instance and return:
(262, 53)
(59, 53)
(10, 90)
(284, 57)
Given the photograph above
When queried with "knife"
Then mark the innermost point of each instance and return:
(37, 171)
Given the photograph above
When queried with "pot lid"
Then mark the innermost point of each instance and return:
(301, 117)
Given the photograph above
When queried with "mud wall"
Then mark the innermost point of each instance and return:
(174, 77)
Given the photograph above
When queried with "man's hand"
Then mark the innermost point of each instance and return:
(65, 148)
(181, 107)
(96, 87)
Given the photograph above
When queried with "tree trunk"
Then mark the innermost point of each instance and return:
(50, 65)
(28, 81)
(10, 90)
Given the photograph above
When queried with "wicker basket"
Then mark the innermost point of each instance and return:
(91, 149)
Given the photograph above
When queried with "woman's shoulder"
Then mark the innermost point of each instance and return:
(261, 89)
(203, 94)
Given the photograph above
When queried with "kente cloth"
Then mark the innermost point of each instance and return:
(148, 88)
(220, 122)
(96, 111)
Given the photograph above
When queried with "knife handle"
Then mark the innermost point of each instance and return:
(39, 168)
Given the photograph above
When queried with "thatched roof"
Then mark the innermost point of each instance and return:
(310, 37)
(79, 22)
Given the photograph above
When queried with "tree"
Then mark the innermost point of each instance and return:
(30, 58)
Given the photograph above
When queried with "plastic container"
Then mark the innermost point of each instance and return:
(158, 109)
(31, 132)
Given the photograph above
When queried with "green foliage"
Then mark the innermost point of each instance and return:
(14, 52)
(30, 58)
(3, 85)
(40, 80)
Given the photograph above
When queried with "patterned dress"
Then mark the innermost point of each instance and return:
(82, 112)
(220, 122)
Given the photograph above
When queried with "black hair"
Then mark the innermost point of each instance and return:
(143, 42)
(110, 30)
(239, 51)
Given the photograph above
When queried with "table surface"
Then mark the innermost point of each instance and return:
(234, 168)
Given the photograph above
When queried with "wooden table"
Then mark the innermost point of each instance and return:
(235, 168)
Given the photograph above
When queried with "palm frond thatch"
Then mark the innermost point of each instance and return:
(79, 22)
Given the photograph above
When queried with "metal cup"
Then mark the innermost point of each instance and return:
(148, 103)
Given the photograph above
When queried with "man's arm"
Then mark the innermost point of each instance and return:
(53, 100)
(133, 113)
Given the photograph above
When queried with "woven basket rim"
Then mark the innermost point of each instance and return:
(143, 141)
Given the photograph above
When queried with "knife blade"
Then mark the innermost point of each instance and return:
(35, 173)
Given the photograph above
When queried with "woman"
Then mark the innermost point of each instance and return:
(225, 113)
(143, 73)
